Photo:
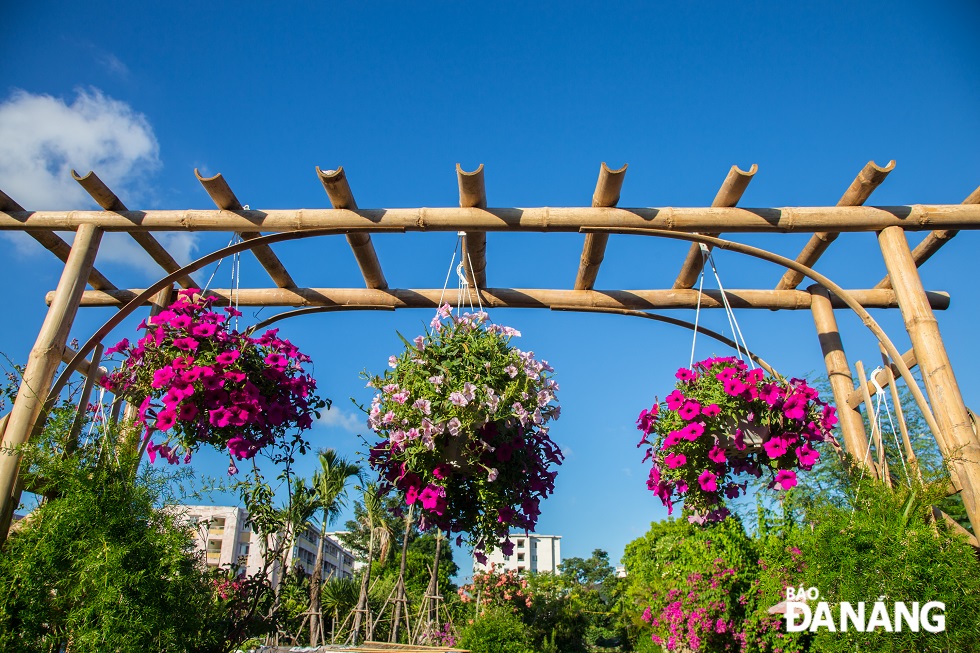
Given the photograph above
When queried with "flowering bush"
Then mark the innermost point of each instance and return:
(463, 416)
(196, 381)
(503, 588)
(723, 420)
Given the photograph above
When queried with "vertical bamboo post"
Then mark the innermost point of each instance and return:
(158, 303)
(607, 191)
(839, 374)
(42, 364)
(958, 442)
(94, 373)
(883, 473)
(913, 462)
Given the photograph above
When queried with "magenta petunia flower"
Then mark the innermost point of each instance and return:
(166, 418)
(775, 447)
(675, 400)
(786, 478)
(689, 410)
(711, 410)
(807, 456)
(685, 374)
(708, 481)
(717, 455)
(675, 460)
(692, 431)
(186, 344)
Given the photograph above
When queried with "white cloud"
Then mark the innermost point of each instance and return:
(42, 138)
(336, 418)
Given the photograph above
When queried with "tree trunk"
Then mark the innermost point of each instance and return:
(316, 619)
(362, 599)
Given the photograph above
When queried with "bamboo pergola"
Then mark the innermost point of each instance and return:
(81, 285)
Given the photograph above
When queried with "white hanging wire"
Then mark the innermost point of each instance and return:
(236, 279)
(234, 240)
(476, 288)
(882, 398)
(449, 273)
(708, 258)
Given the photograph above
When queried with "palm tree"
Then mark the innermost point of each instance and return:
(330, 484)
(380, 531)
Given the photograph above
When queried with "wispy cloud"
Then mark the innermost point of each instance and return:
(338, 419)
(113, 64)
(42, 138)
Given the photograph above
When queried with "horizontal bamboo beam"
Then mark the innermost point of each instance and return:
(728, 195)
(341, 197)
(529, 298)
(856, 194)
(933, 241)
(224, 198)
(473, 194)
(608, 188)
(53, 243)
(915, 217)
(883, 378)
(109, 201)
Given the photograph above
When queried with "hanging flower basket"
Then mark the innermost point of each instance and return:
(197, 382)
(463, 416)
(723, 420)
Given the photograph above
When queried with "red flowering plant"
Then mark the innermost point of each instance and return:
(196, 382)
(498, 587)
(464, 419)
(724, 420)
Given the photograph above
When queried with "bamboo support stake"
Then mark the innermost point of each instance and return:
(912, 461)
(223, 197)
(857, 194)
(958, 442)
(881, 378)
(83, 400)
(528, 298)
(53, 243)
(41, 366)
(800, 219)
(883, 472)
(338, 190)
(158, 303)
(839, 373)
(109, 201)
(473, 194)
(607, 192)
(933, 241)
(728, 195)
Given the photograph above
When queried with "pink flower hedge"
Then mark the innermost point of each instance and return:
(724, 420)
(463, 416)
(198, 382)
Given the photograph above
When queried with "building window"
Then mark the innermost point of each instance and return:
(520, 544)
(244, 550)
(520, 557)
(520, 568)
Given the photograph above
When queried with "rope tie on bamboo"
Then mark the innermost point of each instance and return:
(708, 259)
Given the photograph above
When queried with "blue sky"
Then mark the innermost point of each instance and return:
(398, 93)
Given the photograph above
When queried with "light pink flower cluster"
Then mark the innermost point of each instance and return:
(501, 588)
(196, 381)
(724, 420)
(463, 418)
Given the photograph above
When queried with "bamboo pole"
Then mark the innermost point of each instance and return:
(839, 373)
(607, 191)
(69, 353)
(224, 198)
(915, 217)
(528, 298)
(912, 461)
(728, 195)
(881, 378)
(41, 366)
(932, 242)
(473, 194)
(109, 201)
(958, 442)
(883, 473)
(857, 194)
(338, 190)
(53, 243)
(130, 440)
(90, 379)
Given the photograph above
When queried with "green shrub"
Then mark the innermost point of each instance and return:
(496, 631)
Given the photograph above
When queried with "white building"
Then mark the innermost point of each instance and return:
(226, 537)
(532, 552)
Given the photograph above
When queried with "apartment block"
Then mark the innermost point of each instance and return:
(226, 538)
(532, 552)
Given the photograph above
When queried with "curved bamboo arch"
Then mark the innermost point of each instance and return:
(719, 243)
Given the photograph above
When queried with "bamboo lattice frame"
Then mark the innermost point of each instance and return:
(901, 289)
